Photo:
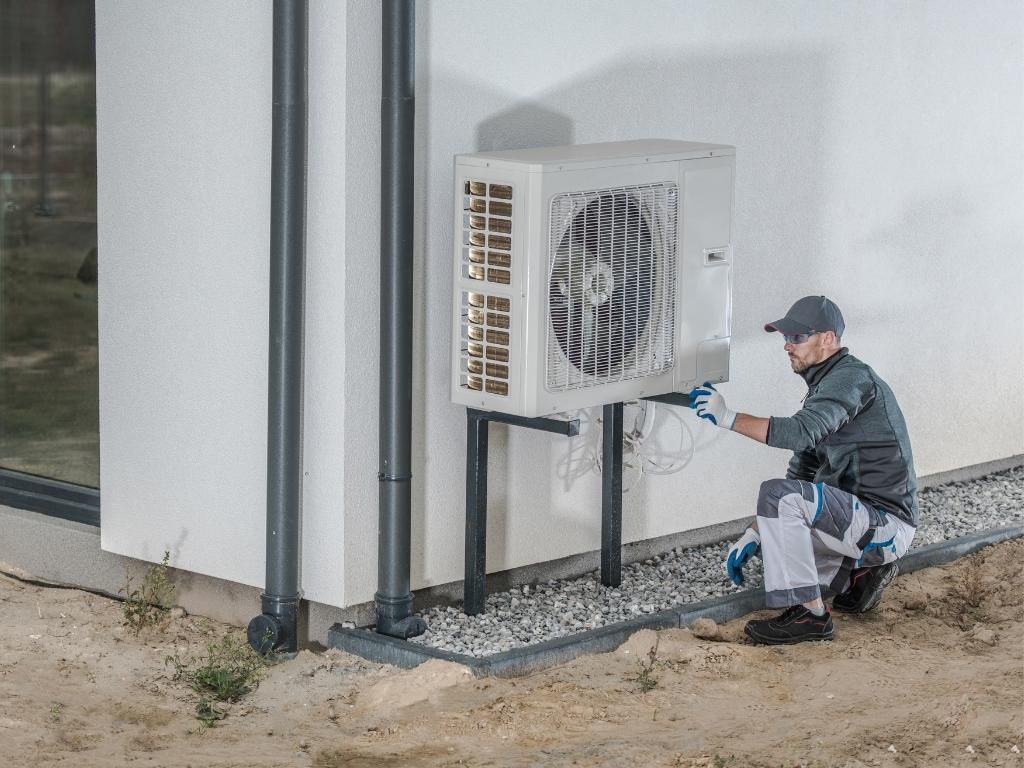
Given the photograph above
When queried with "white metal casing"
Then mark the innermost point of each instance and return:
(704, 176)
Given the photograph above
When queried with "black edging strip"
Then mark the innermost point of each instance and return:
(78, 503)
(951, 549)
(522, 661)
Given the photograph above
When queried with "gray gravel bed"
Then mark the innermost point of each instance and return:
(535, 613)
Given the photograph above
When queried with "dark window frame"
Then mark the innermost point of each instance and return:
(40, 28)
(56, 498)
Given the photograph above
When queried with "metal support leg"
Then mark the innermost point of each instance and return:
(611, 497)
(475, 589)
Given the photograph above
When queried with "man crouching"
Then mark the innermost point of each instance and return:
(847, 509)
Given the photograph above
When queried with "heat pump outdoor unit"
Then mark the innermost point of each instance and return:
(591, 274)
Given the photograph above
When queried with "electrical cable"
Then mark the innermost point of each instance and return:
(643, 424)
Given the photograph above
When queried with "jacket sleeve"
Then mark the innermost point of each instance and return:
(838, 398)
(803, 466)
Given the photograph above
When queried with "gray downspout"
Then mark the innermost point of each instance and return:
(398, 107)
(277, 627)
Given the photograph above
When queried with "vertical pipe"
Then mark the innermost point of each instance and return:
(394, 598)
(611, 496)
(474, 585)
(276, 628)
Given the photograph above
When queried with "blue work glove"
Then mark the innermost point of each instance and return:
(710, 405)
(749, 544)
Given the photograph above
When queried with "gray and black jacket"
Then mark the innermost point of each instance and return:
(850, 434)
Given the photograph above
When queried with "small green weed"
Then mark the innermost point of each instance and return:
(970, 589)
(209, 713)
(56, 710)
(645, 677)
(151, 601)
(229, 670)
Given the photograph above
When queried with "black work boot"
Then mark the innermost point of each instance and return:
(865, 590)
(794, 625)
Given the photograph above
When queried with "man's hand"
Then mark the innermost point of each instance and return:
(749, 544)
(710, 405)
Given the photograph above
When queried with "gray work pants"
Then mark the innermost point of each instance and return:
(814, 535)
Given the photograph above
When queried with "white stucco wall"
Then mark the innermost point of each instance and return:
(879, 160)
(184, 103)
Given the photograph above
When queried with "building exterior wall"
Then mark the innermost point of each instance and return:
(185, 107)
(878, 160)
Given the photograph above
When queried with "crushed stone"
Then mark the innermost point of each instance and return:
(532, 614)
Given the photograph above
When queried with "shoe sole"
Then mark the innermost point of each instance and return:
(876, 596)
(885, 581)
(788, 640)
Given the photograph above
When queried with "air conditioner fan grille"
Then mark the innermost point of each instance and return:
(611, 285)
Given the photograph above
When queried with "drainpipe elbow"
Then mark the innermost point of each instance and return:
(276, 629)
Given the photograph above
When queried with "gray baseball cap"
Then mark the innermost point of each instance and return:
(811, 313)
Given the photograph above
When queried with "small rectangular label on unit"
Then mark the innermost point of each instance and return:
(715, 256)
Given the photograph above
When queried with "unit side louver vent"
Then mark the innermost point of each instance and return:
(611, 285)
(487, 232)
(486, 329)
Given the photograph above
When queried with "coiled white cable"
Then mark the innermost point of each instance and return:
(638, 455)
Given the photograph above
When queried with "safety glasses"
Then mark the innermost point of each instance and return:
(799, 338)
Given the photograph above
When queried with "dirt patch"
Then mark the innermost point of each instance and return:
(423, 683)
(934, 676)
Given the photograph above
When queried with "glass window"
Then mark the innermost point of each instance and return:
(49, 406)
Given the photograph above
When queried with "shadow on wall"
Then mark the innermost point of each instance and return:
(775, 109)
(421, 353)
(524, 125)
(529, 124)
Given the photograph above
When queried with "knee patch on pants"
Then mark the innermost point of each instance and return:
(773, 491)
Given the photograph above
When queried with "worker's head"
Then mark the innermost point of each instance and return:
(812, 330)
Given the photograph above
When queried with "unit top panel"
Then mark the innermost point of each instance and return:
(580, 156)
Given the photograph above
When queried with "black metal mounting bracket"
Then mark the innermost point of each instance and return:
(475, 587)
(682, 399)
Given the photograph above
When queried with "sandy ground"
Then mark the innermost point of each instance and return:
(933, 677)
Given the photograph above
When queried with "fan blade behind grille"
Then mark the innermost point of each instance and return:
(603, 274)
